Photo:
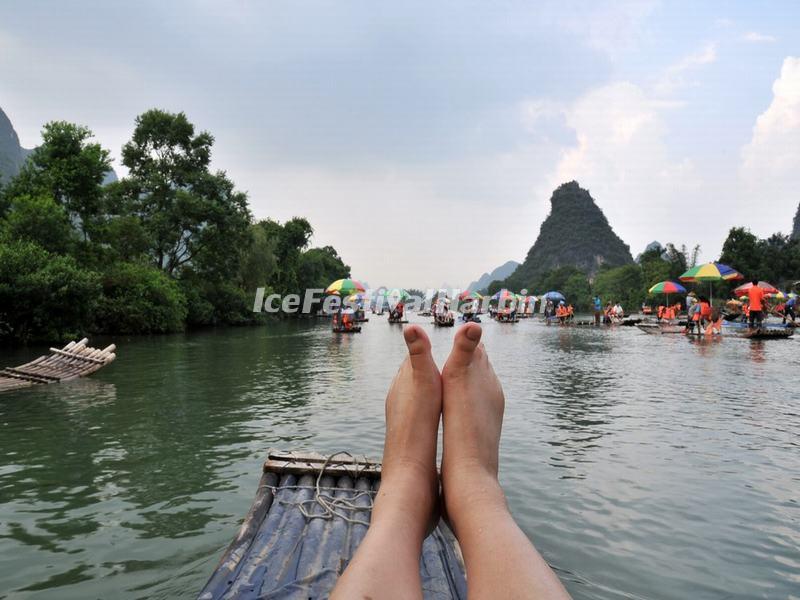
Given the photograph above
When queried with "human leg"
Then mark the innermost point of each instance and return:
(386, 564)
(501, 562)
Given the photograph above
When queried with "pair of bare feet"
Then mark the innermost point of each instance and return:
(467, 396)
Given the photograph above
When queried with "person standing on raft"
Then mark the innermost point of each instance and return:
(756, 296)
(467, 397)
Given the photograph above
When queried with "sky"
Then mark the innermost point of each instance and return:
(423, 140)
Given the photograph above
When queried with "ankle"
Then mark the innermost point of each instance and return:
(407, 500)
(472, 497)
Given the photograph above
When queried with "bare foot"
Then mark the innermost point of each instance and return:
(501, 561)
(386, 564)
(472, 414)
(413, 407)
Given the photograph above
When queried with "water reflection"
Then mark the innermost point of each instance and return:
(129, 484)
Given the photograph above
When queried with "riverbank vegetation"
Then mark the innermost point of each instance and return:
(775, 259)
(170, 245)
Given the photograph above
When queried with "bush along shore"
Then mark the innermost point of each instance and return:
(171, 245)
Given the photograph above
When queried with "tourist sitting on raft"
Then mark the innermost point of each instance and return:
(344, 318)
(564, 312)
(561, 313)
(396, 313)
(467, 397)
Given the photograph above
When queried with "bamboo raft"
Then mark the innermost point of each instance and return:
(306, 522)
(761, 333)
(74, 360)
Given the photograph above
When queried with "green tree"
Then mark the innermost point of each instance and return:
(742, 251)
(621, 284)
(139, 298)
(191, 217)
(43, 296)
(318, 267)
(290, 240)
(38, 219)
(69, 168)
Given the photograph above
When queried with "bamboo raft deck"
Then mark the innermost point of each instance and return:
(74, 360)
(306, 522)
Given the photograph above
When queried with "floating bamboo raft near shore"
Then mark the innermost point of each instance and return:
(308, 518)
(74, 360)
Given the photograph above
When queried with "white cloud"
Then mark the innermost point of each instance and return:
(622, 158)
(756, 37)
(771, 160)
(675, 76)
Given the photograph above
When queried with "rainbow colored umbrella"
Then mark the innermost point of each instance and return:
(779, 296)
(711, 272)
(345, 287)
(469, 295)
(743, 290)
(667, 287)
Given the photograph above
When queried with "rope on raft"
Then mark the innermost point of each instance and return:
(331, 506)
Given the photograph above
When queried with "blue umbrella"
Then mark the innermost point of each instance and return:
(554, 296)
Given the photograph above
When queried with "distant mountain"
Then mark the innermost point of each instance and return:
(796, 228)
(499, 273)
(575, 233)
(12, 155)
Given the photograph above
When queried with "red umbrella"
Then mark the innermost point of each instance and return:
(744, 289)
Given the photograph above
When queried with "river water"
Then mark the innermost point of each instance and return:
(641, 466)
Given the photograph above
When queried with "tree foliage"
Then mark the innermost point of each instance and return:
(172, 244)
(70, 169)
(43, 296)
(189, 215)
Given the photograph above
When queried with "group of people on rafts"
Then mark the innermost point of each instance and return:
(752, 308)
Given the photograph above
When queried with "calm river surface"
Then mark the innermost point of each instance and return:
(641, 466)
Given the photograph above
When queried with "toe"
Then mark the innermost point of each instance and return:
(419, 347)
(465, 344)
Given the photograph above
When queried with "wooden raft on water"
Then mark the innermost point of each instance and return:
(74, 360)
(306, 522)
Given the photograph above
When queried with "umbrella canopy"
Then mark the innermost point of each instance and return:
(743, 290)
(554, 296)
(503, 294)
(667, 287)
(779, 295)
(398, 293)
(469, 295)
(345, 287)
(356, 297)
(712, 271)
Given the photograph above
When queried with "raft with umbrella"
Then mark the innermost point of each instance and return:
(344, 288)
(394, 297)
